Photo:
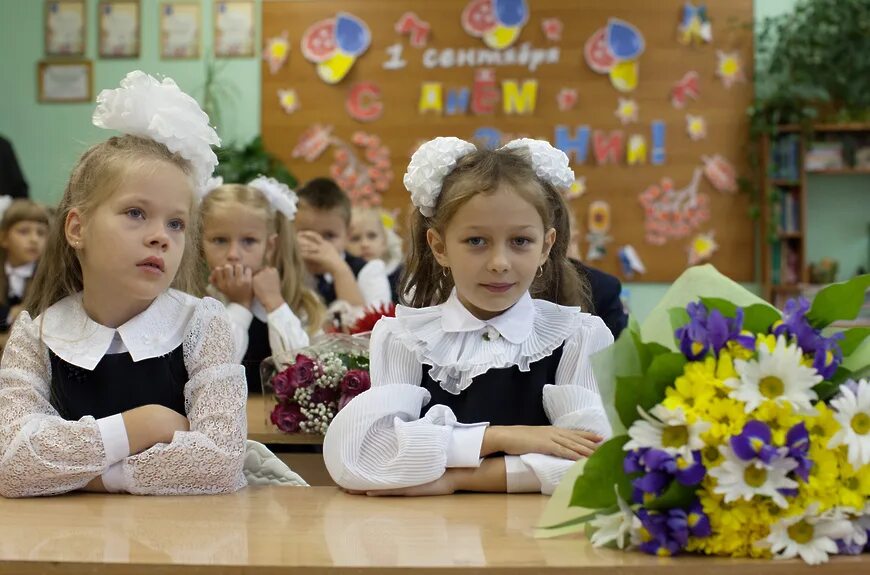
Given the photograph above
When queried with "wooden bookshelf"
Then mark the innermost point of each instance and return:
(784, 267)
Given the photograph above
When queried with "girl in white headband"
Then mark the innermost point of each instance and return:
(485, 383)
(249, 245)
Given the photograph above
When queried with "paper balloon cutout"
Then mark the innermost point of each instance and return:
(276, 51)
(614, 50)
(626, 111)
(720, 173)
(334, 45)
(630, 262)
(696, 126)
(702, 247)
(418, 30)
(289, 100)
(729, 68)
(552, 28)
(671, 213)
(566, 99)
(498, 22)
(313, 142)
(695, 27)
(688, 87)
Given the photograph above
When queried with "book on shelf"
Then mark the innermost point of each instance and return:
(786, 158)
(789, 212)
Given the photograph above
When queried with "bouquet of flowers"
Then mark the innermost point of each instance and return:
(313, 384)
(747, 436)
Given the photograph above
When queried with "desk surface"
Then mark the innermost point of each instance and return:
(262, 430)
(268, 529)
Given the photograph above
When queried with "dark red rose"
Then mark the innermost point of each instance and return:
(324, 395)
(304, 367)
(287, 417)
(284, 384)
(355, 382)
(342, 403)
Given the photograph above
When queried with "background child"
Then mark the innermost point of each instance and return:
(370, 238)
(250, 248)
(487, 370)
(22, 240)
(121, 383)
(322, 228)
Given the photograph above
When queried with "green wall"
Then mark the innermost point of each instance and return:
(49, 137)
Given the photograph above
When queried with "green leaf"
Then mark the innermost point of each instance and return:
(758, 318)
(584, 518)
(826, 390)
(679, 317)
(852, 338)
(675, 496)
(664, 369)
(838, 301)
(727, 308)
(647, 390)
(594, 489)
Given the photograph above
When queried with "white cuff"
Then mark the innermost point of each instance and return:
(464, 447)
(240, 315)
(281, 314)
(115, 440)
(113, 478)
(520, 477)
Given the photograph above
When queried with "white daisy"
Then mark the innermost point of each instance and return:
(777, 376)
(614, 527)
(853, 415)
(739, 479)
(668, 430)
(808, 535)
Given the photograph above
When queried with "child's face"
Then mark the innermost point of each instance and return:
(24, 242)
(493, 246)
(329, 224)
(131, 245)
(236, 234)
(367, 239)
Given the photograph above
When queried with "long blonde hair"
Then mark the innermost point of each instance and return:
(100, 171)
(20, 210)
(303, 300)
(485, 172)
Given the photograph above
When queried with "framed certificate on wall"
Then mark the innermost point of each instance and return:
(65, 27)
(234, 29)
(119, 28)
(65, 81)
(180, 30)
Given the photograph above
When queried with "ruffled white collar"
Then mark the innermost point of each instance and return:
(77, 339)
(17, 277)
(459, 346)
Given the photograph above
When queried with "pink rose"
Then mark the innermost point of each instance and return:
(355, 382)
(287, 417)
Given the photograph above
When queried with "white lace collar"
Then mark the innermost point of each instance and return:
(17, 277)
(459, 346)
(77, 339)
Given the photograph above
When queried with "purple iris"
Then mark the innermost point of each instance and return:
(666, 532)
(798, 442)
(826, 352)
(697, 520)
(659, 469)
(754, 442)
(711, 331)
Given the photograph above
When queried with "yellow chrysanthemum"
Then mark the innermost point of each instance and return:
(780, 418)
(768, 340)
(736, 526)
(737, 351)
(727, 417)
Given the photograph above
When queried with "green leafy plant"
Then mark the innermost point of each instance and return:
(243, 163)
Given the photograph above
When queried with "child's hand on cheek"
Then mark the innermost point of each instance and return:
(235, 282)
(267, 289)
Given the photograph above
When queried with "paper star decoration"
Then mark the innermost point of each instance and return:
(696, 126)
(729, 68)
(289, 100)
(626, 111)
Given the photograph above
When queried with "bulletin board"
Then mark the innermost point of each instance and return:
(335, 104)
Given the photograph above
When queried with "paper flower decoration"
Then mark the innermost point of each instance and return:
(289, 100)
(614, 50)
(334, 45)
(702, 248)
(498, 22)
(696, 126)
(566, 99)
(626, 111)
(276, 51)
(729, 68)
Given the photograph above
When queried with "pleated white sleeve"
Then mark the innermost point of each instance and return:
(379, 441)
(572, 403)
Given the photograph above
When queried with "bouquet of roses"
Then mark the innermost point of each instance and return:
(748, 436)
(313, 384)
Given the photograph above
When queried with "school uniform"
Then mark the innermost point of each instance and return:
(371, 277)
(606, 302)
(65, 380)
(258, 334)
(440, 376)
(17, 279)
(394, 276)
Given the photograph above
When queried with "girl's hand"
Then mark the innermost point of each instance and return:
(267, 288)
(235, 282)
(151, 424)
(521, 439)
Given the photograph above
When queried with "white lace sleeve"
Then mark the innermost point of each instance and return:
(379, 441)
(573, 403)
(374, 285)
(40, 452)
(285, 331)
(209, 457)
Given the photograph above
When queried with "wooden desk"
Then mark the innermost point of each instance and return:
(270, 529)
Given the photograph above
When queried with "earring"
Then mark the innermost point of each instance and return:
(540, 271)
(445, 271)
